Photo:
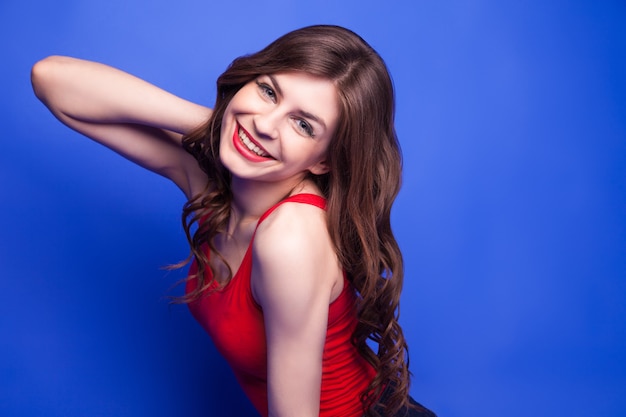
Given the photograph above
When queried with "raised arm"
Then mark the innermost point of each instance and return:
(128, 115)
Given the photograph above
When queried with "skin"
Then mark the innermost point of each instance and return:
(291, 117)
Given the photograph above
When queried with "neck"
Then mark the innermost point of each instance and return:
(253, 198)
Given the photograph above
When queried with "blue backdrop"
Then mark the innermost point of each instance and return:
(512, 216)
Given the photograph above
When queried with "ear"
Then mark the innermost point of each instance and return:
(319, 168)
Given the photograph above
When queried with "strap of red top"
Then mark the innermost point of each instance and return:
(312, 199)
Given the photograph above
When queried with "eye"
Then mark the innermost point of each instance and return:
(266, 91)
(305, 127)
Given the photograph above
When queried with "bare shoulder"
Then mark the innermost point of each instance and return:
(295, 231)
(292, 251)
(294, 222)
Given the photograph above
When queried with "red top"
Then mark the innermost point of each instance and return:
(234, 320)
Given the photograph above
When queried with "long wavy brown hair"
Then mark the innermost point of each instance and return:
(360, 187)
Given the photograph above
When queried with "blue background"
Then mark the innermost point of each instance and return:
(512, 216)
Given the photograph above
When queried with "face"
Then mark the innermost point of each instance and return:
(277, 128)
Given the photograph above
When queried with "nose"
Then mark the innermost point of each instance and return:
(266, 124)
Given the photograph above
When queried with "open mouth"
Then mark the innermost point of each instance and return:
(248, 147)
(253, 147)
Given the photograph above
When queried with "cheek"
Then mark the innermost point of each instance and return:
(227, 124)
(324, 150)
(317, 154)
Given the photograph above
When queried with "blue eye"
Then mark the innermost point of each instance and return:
(266, 91)
(305, 127)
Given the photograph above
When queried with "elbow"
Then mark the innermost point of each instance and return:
(38, 75)
(42, 76)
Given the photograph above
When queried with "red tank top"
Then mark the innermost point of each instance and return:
(234, 320)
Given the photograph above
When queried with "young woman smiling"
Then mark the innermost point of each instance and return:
(290, 181)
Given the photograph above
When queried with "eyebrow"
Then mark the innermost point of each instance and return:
(301, 112)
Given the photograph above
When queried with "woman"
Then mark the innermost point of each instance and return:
(290, 181)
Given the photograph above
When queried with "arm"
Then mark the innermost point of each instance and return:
(130, 116)
(294, 274)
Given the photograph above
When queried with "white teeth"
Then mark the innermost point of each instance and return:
(249, 144)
